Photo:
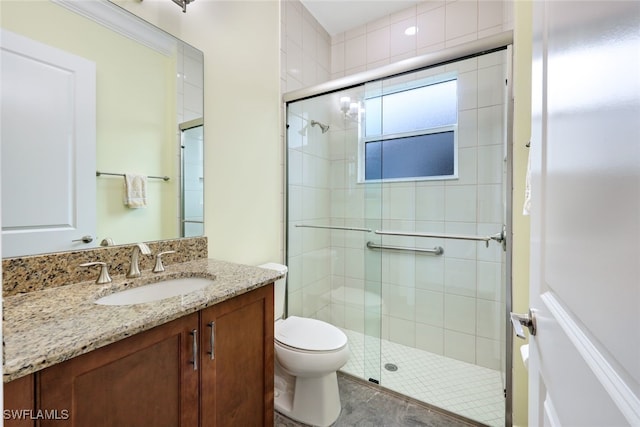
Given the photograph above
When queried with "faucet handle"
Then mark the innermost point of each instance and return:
(144, 248)
(104, 271)
(159, 268)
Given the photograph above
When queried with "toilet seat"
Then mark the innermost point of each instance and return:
(309, 334)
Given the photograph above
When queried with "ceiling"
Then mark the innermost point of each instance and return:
(337, 16)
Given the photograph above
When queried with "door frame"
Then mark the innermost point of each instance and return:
(509, 105)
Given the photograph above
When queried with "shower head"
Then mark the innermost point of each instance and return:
(324, 127)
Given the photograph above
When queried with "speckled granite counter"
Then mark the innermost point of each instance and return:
(46, 327)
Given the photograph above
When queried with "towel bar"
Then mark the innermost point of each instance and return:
(164, 178)
(436, 250)
(498, 237)
(335, 227)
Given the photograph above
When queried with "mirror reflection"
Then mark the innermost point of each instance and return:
(119, 97)
(192, 144)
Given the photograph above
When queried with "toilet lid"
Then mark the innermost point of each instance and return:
(309, 334)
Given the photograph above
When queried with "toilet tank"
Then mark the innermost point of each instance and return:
(279, 289)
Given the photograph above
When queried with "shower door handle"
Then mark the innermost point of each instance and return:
(520, 320)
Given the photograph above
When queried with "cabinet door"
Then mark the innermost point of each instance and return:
(237, 379)
(145, 380)
(19, 404)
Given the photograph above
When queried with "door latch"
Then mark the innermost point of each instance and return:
(84, 239)
(520, 320)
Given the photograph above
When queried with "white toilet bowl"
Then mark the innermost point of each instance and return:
(308, 353)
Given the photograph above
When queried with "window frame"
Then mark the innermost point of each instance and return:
(363, 139)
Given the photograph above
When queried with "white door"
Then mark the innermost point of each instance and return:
(584, 367)
(48, 147)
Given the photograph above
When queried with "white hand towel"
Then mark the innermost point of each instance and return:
(135, 191)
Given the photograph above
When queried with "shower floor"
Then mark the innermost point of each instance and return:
(459, 387)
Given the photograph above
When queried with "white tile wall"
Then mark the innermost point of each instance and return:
(190, 104)
(306, 48)
(439, 24)
(430, 338)
(190, 83)
(306, 58)
(444, 305)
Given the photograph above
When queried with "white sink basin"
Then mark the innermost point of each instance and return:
(156, 291)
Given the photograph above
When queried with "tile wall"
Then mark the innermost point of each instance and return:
(305, 48)
(306, 61)
(440, 24)
(450, 305)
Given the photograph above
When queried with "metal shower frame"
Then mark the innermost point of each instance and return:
(501, 41)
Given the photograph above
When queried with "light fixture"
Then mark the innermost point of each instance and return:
(183, 4)
(350, 109)
(411, 31)
(345, 103)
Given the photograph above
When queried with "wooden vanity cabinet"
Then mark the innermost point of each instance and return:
(238, 361)
(144, 380)
(149, 379)
(19, 402)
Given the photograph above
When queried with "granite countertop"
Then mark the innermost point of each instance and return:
(43, 328)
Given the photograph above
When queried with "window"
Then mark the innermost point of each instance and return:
(410, 132)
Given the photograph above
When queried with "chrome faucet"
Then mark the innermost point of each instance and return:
(134, 269)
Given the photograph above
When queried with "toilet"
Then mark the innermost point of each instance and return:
(308, 353)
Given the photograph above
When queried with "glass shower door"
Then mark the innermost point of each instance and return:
(369, 214)
(434, 140)
(380, 176)
(332, 276)
(192, 176)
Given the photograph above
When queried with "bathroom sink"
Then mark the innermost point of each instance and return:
(156, 291)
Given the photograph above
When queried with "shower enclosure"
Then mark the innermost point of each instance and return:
(192, 178)
(397, 207)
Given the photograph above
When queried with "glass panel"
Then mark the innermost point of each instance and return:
(413, 109)
(438, 318)
(329, 268)
(430, 155)
(421, 108)
(373, 111)
(443, 314)
(193, 181)
(373, 332)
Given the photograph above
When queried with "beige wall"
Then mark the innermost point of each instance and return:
(243, 176)
(521, 135)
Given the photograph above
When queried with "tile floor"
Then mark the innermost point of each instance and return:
(462, 388)
(367, 405)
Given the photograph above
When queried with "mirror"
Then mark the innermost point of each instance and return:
(148, 108)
